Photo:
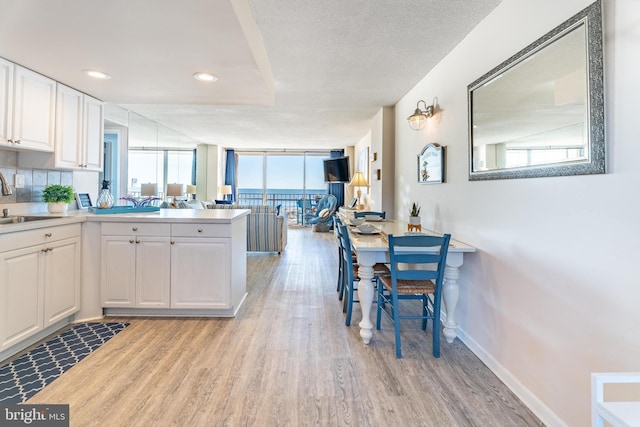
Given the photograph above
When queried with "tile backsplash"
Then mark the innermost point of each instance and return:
(35, 180)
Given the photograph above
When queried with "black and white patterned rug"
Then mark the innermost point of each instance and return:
(30, 373)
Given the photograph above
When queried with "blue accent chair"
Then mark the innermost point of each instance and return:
(323, 214)
(362, 214)
(423, 282)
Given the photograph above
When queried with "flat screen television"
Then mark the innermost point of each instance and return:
(337, 169)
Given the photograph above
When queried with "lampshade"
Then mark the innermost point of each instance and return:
(148, 190)
(174, 190)
(191, 189)
(358, 180)
(225, 189)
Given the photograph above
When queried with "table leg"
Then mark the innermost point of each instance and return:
(450, 293)
(365, 295)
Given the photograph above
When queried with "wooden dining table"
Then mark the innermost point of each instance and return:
(373, 248)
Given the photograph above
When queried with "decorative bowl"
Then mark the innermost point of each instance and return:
(357, 221)
(366, 228)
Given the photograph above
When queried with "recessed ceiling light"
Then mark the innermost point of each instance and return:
(205, 77)
(97, 74)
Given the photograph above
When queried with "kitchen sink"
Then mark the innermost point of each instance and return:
(25, 218)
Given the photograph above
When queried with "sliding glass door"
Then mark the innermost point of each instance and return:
(281, 179)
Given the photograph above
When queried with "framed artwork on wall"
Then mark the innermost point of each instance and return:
(431, 164)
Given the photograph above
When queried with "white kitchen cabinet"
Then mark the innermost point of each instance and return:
(61, 280)
(34, 104)
(203, 273)
(200, 272)
(21, 287)
(79, 130)
(39, 281)
(6, 101)
(92, 133)
(135, 265)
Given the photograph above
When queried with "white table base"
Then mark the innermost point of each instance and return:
(450, 291)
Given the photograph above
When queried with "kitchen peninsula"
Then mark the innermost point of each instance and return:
(55, 269)
(175, 262)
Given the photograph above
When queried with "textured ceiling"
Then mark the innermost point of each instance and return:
(293, 73)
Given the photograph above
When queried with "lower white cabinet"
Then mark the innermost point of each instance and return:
(200, 272)
(39, 281)
(182, 268)
(135, 268)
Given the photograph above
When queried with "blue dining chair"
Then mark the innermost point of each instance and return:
(362, 214)
(422, 282)
(350, 272)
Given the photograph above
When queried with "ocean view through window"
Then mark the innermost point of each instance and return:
(281, 179)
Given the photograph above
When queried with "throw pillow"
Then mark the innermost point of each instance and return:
(324, 213)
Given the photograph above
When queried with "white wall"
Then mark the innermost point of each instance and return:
(552, 293)
(383, 146)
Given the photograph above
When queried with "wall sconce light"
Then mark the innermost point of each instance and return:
(418, 119)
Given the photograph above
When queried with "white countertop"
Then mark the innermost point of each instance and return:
(223, 216)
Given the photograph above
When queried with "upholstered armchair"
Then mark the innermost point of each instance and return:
(321, 217)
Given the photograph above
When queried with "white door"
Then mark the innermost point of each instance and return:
(20, 295)
(34, 110)
(6, 100)
(152, 272)
(118, 271)
(200, 273)
(61, 280)
(68, 142)
(93, 133)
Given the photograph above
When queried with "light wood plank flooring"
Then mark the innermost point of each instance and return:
(287, 359)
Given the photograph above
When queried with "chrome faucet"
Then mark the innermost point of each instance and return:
(6, 190)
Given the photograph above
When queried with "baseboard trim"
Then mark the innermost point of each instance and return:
(542, 411)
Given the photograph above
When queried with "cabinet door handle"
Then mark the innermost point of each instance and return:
(173, 242)
(199, 230)
(17, 141)
(131, 241)
(10, 141)
(134, 228)
(137, 241)
(44, 250)
(48, 234)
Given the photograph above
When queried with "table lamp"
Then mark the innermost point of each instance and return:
(174, 190)
(191, 189)
(359, 180)
(148, 190)
(225, 190)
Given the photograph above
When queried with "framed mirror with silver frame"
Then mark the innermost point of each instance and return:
(541, 112)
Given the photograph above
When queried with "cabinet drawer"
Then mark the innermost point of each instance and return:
(201, 230)
(135, 228)
(24, 239)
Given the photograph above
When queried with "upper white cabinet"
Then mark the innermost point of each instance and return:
(79, 129)
(34, 103)
(6, 101)
(93, 133)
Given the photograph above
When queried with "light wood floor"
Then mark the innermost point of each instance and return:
(287, 359)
